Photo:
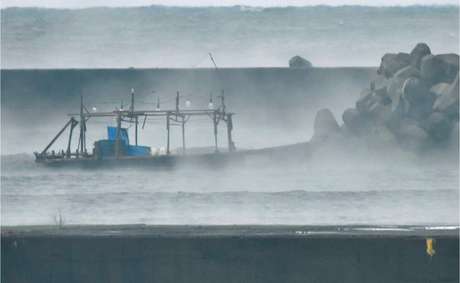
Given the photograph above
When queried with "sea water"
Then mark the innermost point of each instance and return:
(242, 193)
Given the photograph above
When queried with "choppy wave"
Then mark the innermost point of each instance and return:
(265, 194)
(181, 37)
(376, 208)
(340, 191)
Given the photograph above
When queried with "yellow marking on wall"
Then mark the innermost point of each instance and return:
(430, 247)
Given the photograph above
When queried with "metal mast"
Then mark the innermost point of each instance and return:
(82, 128)
(136, 118)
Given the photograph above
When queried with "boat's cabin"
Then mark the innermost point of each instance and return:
(104, 149)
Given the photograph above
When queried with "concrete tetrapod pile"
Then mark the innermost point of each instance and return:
(413, 103)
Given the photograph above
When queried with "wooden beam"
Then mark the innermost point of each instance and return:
(57, 136)
(72, 126)
(167, 129)
(214, 121)
(229, 121)
(161, 113)
(183, 134)
(118, 153)
(82, 126)
(135, 134)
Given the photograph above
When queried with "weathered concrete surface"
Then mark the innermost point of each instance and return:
(228, 254)
(254, 88)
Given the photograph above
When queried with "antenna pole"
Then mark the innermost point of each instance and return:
(177, 102)
(132, 101)
(212, 59)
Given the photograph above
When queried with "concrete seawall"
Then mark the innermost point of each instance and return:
(64, 86)
(276, 102)
(228, 254)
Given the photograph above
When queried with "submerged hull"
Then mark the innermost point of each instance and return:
(211, 159)
(288, 153)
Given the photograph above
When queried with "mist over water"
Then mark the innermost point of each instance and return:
(274, 106)
(253, 192)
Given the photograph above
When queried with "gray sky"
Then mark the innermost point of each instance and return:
(265, 3)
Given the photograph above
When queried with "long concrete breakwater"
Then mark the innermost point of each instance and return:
(229, 254)
(262, 86)
(277, 102)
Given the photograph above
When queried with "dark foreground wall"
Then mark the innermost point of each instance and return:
(235, 254)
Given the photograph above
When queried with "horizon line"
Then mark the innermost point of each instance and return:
(51, 7)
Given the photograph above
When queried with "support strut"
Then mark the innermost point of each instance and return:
(71, 121)
(167, 129)
(183, 134)
(72, 126)
(214, 121)
(118, 138)
(231, 145)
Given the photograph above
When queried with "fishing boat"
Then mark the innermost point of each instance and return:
(117, 148)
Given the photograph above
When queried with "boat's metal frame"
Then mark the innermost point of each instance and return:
(175, 116)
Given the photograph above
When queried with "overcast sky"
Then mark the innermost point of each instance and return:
(265, 3)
